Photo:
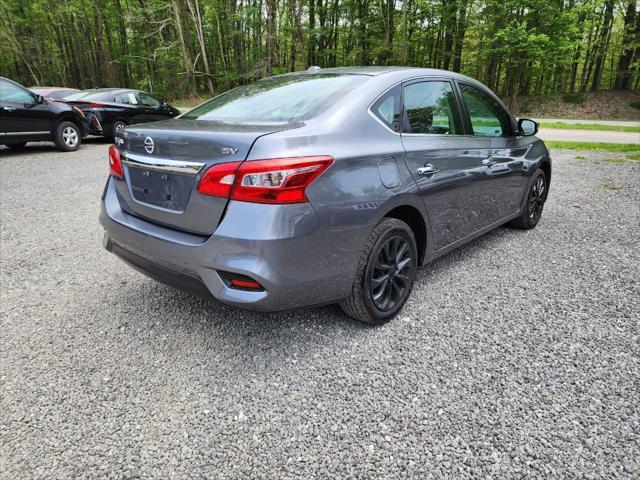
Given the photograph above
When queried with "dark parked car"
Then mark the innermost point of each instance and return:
(327, 186)
(110, 109)
(28, 117)
(54, 93)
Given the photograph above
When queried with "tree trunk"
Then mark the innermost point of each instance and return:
(630, 37)
(602, 46)
(184, 50)
(271, 24)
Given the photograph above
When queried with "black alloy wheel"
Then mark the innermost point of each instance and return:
(389, 278)
(385, 273)
(534, 204)
(536, 199)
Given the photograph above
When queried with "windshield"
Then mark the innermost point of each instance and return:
(277, 99)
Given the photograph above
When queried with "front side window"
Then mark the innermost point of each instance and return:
(387, 109)
(488, 118)
(13, 93)
(283, 99)
(148, 100)
(430, 108)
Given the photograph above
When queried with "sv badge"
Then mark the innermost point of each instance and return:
(229, 151)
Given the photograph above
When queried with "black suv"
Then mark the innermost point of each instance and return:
(28, 117)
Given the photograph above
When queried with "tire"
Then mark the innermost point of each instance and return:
(17, 146)
(532, 210)
(390, 238)
(117, 125)
(68, 137)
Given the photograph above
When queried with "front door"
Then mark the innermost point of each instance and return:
(445, 162)
(22, 114)
(501, 152)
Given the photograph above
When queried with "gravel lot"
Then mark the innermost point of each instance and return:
(517, 355)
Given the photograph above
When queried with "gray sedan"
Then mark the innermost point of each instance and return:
(332, 185)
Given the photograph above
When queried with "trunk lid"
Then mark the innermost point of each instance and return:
(164, 162)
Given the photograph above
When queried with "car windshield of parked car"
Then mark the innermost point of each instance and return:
(13, 93)
(279, 99)
(91, 96)
(59, 94)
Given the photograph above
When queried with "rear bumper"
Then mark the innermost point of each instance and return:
(297, 261)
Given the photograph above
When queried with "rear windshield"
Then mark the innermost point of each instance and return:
(278, 99)
(106, 96)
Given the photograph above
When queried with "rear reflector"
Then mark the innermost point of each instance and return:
(277, 180)
(115, 164)
(240, 282)
(252, 284)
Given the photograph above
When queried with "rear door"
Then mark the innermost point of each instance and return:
(501, 152)
(443, 160)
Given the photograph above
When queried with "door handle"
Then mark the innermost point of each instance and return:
(9, 109)
(428, 169)
(489, 161)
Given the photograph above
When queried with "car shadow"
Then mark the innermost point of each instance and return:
(210, 314)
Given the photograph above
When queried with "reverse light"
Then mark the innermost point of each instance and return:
(277, 180)
(115, 163)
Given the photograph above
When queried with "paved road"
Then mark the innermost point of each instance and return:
(589, 136)
(516, 357)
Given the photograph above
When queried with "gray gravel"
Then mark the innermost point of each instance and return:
(517, 355)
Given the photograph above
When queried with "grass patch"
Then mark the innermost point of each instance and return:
(184, 104)
(612, 187)
(616, 160)
(631, 151)
(591, 126)
(635, 104)
(632, 148)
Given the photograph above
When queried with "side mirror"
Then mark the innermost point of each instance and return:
(527, 127)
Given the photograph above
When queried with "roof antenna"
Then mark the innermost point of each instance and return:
(313, 69)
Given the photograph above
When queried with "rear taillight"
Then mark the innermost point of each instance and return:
(115, 164)
(95, 105)
(277, 180)
(219, 179)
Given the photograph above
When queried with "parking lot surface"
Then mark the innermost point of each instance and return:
(516, 355)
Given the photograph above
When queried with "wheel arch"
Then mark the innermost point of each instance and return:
(67, 117)
(412, 216)
(545, 166)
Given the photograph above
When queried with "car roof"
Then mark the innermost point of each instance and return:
(398, 72)
(53, 89)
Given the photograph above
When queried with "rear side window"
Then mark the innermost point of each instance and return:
(488, 118)
(387, 109)
(279, 99)
(128, 98)
(430, 108)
